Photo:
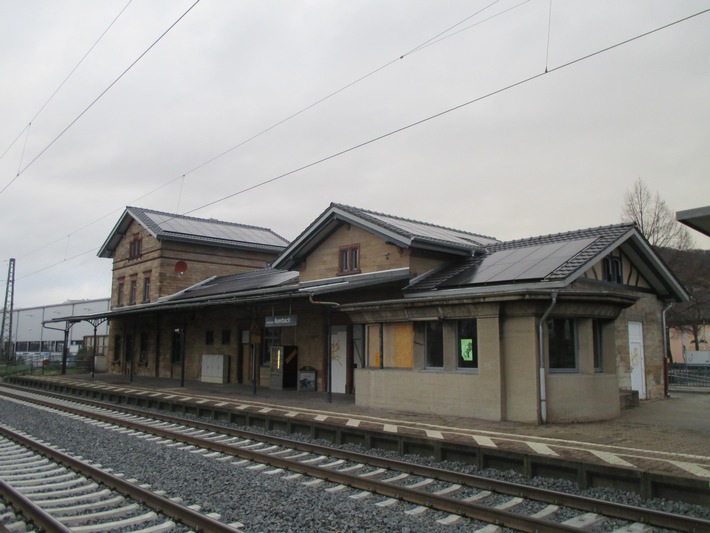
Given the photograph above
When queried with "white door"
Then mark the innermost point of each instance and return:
(638, 367)
(338, 356)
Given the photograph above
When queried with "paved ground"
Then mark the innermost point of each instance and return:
(671, 435)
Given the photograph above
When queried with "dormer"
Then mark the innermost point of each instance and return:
(347, 240)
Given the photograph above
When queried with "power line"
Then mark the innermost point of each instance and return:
(466, 28)
(446, 111)
(65, 260)
(65, 79)
(433, 40)
(106, 215)
(428, 42)
(99, 97)
(413, 124)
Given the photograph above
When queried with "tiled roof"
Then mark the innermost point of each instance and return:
(173, 227)
(543, 258)
(169, 225)
(417, 230)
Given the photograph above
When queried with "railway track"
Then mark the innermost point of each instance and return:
(57, 492)
(360, 476)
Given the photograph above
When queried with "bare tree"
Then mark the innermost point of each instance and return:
(654, 218)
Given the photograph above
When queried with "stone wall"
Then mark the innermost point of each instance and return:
(648, 311)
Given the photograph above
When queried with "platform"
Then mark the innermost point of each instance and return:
(669, 436)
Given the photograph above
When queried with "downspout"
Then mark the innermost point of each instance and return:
(665, 330)
(666, 359)
(541, 352)
(329, 387)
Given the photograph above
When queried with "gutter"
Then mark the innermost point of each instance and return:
(541, 347)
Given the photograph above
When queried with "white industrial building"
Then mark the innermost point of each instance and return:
(31, 339)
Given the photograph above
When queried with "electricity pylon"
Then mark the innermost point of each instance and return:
(6, 346)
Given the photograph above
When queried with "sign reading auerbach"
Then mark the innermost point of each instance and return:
(281, 321)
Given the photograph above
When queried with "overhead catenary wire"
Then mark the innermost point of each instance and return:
(88, 225)
(439, 37)
(24, 146)
(51, 97)
(432, 40)
(423, 120)
(65, 260)
(446, 111)
(114, 82)
(549, 31)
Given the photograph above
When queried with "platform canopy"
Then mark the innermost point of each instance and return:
(698, 219)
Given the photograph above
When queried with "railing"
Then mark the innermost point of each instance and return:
(684, 375)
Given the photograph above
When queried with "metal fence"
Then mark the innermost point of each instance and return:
(689, 375)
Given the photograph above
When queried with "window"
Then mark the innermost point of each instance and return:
(272, 337)
(349, 260)
(613, 272)
(562, 340)
(134, 251)
(133, 292)
(209, 337)
(146, 289)
(119, 296)
(598, 345)
(434, 341)
(226, 336)
(468, 344)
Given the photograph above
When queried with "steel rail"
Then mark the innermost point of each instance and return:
(609, 509)
(441, 503)
(155, 501)
(34, 514)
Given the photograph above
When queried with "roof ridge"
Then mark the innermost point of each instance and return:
(186, 217)
(583, 232)
(358, 210)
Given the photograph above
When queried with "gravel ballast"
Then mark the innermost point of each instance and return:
(259, 502)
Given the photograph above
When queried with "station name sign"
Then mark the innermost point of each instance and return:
(281, 321)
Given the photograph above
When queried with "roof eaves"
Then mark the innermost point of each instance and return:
(375, 219)
(355, 281)
(607, 238)
(108, 248)
(215, 241)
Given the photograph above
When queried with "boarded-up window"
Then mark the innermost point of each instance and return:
(373, 345)
(403, 346)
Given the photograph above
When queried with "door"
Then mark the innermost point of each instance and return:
(338, 357)
(637, 364)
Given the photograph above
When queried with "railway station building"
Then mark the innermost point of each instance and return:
(405, 315)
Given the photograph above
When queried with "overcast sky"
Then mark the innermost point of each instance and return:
(552, 154)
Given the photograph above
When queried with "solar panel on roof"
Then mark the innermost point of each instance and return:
(215, 230)
(525, 263)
